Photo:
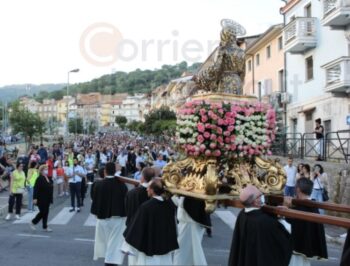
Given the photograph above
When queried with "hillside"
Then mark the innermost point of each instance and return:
(12, 92)
(137, 81)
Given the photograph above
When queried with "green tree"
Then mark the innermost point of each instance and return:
(160, 121)
(135, 126)
(121, 121)
(27, 123)
(91, 127)
(75, 125)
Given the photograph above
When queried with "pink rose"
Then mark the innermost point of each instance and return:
(200, 138)
(202, 111)
(207, 153)
(214, 117)
(220, 140)
(233, 147)
(206, 135)
(230, 128)
(221, 122)
(221, 111)
(208, 126)
(196, 153)
(204, 119)
(219, 130)
(212, 145)
(227, 133)
(213, 137)
(202, 147)
(227, 140)
(251, 152)
(217, 153)
(200, 127)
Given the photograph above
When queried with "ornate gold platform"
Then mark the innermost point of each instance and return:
(223, 97)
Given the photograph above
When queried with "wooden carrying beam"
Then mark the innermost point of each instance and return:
(278, 200)
(285, 212)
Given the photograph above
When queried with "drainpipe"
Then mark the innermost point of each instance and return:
(253, 71)
(284, 89)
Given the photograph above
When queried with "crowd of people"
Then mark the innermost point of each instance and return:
(148, 225)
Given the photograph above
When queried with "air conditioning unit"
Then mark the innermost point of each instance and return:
(285, 97)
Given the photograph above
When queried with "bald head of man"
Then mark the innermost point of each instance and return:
(251, 197)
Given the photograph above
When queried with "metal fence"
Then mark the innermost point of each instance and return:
(334, 147)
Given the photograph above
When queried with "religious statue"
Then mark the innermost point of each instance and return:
(226, 74)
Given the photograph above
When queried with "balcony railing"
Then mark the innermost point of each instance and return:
(338, 75)
(300, 35)
(336, 13)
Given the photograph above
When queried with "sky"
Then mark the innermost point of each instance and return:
(41, 41)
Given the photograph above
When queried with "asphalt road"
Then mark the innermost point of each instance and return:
(71, 242)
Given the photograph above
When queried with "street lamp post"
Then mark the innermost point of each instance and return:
(71, 71)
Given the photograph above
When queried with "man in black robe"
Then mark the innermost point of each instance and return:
(258, 239)
(345, 258)
(152, 232)
(138, 195)
(308, 238)
(108, 200)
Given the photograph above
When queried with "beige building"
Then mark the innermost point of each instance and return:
(48, 109)
(265, 64)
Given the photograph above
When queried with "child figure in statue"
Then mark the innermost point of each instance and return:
(226, 73)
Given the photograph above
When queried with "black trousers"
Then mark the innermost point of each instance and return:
(83, 191)
(43, 214)
(90, 177)
(75, 192)
(18, 199)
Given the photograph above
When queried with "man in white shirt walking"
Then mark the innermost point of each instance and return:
(75, 185)
(291, 172)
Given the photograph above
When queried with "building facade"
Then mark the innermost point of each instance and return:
(265, 65)
(317, 63)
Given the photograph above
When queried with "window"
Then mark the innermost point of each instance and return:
(281, 80)
(268, 52)
(280, 43)
(309, 62)
(250, 65)
(257, 59)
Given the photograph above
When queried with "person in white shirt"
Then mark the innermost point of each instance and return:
(78, 173)
(160, 163)
(291, 171)
(89, 166)
(122, 159)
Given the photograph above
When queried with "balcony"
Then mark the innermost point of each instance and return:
(300, 35)
(336, 13)
(338, 75)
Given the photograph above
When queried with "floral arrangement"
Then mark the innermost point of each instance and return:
(239, 129)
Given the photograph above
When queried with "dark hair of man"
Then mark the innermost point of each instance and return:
(157, 186)
(307, 167)
(318, 120)
(32, 164)
(249, 201)
(305, 185)
(148, 173)
(110, 169)
(321, 168)
(19, 164)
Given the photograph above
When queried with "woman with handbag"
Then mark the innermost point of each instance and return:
(17, 184)
(319, 189)
(43, 197)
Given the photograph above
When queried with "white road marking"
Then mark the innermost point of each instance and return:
(84, 239)
(26, 218)
(63, 217)
(31, 235)
(227, 217)
(91, 220)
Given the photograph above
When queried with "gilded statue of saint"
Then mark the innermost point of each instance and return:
(226, 74)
